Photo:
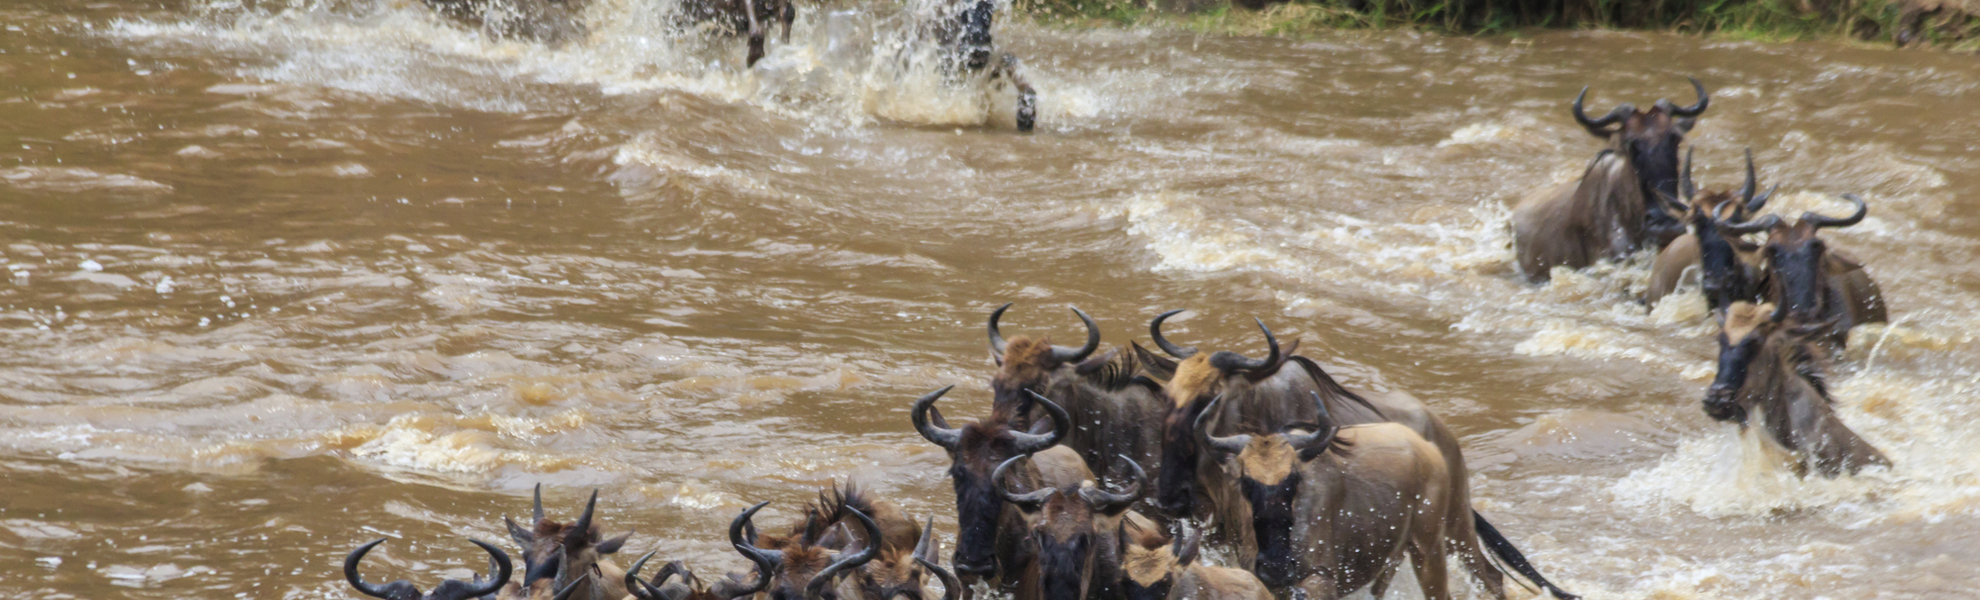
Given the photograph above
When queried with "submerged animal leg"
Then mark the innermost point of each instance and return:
(1027, 109)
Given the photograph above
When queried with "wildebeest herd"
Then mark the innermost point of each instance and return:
(1108, 475)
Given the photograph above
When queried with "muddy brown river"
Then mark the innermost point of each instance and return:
(282, 278)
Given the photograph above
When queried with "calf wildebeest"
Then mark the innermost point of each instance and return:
(1072, 526)
(574, 552)
(1261, 397)
(1112, 402)
(797, 566)
(1813, 283)
(1729, 266)
(552, 22)
(1154, 569)
(1616, 207)
(989, 532)
(749, 17)
(451, 589)
(1771, 368)
(1334, 509)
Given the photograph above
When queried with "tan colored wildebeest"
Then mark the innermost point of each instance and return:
(1111, 397)
(1155, 569)
(1261, 396)
(499, 570)
(1730, 268)
(1812, 282)
(1616, 207)
(1072, 528)
(1772, 370)
(568, 553)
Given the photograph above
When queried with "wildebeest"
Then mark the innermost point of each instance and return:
(1262, 397)
(574, 552)
(797, 566)
(1770, 368)
(1729, 266)
(1072, 527)
(894, 569)
(750, 17)
(688, 588)
(1616, 207)
(452, 589)
(966, 53)
(1813, 283)
(1154, 569)
(552, 22)
(1112, 402)
(989, 532)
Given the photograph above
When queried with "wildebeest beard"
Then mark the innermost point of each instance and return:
(979, 508)
(1155, 591)
(1272, 527)
(1062, 565)
(1176, 481)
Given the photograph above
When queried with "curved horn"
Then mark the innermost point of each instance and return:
(1027, 443)
(1694, 110)
(1155, 331)
(1072, 355)
(1029, 500)
(1300, 441)
(925, 547)
(1754, 226)
(946, 438)
(503, 569)
(1685, 186)
(1227, 445)
(997, 337)
(1760, 201)
(1232, 361)
(580, 531)
(1113, 502)
(1597, 126)
(1751, 185)
(570, 590)
(357, 581)
(1822, 221)
(766, 560)
(536, 514)
(951, 586)
(638, 588)
(815, 588)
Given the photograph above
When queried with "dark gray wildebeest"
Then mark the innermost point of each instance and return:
(1771, 369)
(1813, 283)
(1616, 207)
(499, 570)
(1262, 397)
(799, 566)
(990, 533)
(1155, 569)
(743, 17)
(688, 587)
(958, 31)
(552, 22)
(1073, 529)
(568, 553)
(1113, 400)
(1729, 267)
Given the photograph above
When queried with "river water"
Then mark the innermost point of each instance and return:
(283, 278)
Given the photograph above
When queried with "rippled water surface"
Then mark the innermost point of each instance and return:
(284, 278)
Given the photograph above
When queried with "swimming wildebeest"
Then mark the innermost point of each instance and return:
(552, 22)
(1114, 404)
(894, 570)
(958, 31)
(1154, 569)
(1072, 527)
(1616, 207)
(1730, 268)
(749, 17)
(1770, 368)
(1261, 397)
(689, 587)
(990, 533)
(451, 589)
(1813, 283)
(574, 552)
(798, 566)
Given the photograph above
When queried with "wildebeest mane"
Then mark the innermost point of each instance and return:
(1326, 383)
(830, 508)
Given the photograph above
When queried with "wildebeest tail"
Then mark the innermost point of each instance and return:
(1504, 549)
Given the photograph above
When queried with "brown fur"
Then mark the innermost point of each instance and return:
(1268, 459)
(1027, 361)
(1783, 388)
(1194, 378)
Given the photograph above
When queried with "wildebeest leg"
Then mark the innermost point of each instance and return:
(1027, 110)
(789, 16)
(755, 33)
(1380, 586)
(1427, 556)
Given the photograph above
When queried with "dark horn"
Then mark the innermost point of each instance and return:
(1027, 443)
(1028, 500)
(1760, 201)
(766, 560)
(1230, 361)
(1113, 502)
(503, 569)
(1155, 331)
(813, 590)
(536, 514)
(580, 531)
(1685, 186)
(1301, 441)
(946, 438)
(1596, 126)
(570, 590)
(639, 588)
(951, 586)
(997, 337)
(925, 547)
(357, 581)
(1754, 226)
(1227, 445)
(1822, 221)
(1072, 355)
(1704, 100)
(1752, 183)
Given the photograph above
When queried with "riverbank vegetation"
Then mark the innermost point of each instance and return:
(1945, 23)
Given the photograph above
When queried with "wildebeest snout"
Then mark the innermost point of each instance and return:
(1720, 404)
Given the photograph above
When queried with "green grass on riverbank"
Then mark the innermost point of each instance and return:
(1947, 23)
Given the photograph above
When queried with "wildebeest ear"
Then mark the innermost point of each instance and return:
(1094, 364)
(520, 534)
(1189, 543)
(612, 546)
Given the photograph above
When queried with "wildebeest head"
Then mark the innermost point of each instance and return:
(451, 589)
(1031, 364)
(1795, 258)
(975, 450)
(691, 587)
(796, 566)
(1649, 139)
(1724, 254)
(1746, 335)
(1197, 379)
(898, 571)
(1149, 569)
(564, 552)
(1267, 468)
(1065, 526)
